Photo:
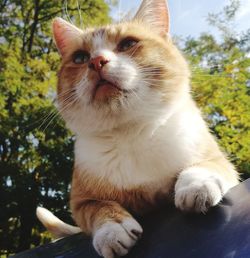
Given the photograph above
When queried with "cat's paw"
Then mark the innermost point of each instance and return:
(197, 190)
(114, 239)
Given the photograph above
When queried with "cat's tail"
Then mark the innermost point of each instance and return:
(54, 225)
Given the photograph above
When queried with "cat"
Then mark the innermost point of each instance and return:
(141, 141)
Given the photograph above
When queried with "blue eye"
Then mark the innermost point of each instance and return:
(81, 57)
(127, 43)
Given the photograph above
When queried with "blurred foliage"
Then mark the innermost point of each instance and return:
(35, 153)
(36, 150)
(221, 84)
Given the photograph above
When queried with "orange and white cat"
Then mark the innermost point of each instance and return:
(124, 91)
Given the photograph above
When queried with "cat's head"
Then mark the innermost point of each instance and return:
(121, 73)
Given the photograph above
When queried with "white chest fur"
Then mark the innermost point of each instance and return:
(129, 158)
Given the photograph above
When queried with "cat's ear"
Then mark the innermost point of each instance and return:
(66, 35)
(156, 14)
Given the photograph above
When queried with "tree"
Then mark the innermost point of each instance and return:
(221, 84)
(35, 154)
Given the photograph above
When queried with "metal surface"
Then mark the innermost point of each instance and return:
(224, 232)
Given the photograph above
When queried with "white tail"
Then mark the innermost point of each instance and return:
(54, 225)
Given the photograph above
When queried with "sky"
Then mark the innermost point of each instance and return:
(188, 17)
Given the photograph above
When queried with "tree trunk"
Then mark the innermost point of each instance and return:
(34, 25)
(26, 229)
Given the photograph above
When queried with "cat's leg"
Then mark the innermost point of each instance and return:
(113, 229)
(202, 186)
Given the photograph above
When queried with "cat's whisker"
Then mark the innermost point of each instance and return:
(148, 72)
(50, 121)
(133, 91)
(65, 93)
(131, 55)
(60, 111)
(79, 13)
(155, 80)
(46, 118)
(66, 97)
(124, 103)
(51, 116)
(54, 112)
(66, 11)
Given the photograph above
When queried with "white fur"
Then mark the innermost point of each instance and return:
(198, 188)
(141, 154)
(116, 237)
(98, 42)
(57, 227)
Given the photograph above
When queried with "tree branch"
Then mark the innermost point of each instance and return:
(34, 25)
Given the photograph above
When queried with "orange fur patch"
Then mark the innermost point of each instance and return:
(94, 201)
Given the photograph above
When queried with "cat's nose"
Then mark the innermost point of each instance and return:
(97, 63)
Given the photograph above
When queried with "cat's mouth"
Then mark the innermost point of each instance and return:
(105, 89)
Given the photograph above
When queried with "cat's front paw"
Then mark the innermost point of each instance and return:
(114, 239)
(197, 190)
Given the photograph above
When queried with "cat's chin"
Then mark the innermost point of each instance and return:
(105, 90)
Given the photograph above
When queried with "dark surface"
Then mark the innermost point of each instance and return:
(224, 232)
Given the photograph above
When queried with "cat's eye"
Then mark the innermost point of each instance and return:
(127, 43)
(81, 57)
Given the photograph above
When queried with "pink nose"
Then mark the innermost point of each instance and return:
(97, 63)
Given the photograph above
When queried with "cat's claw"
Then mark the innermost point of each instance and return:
(114, 239)
(197, 191)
